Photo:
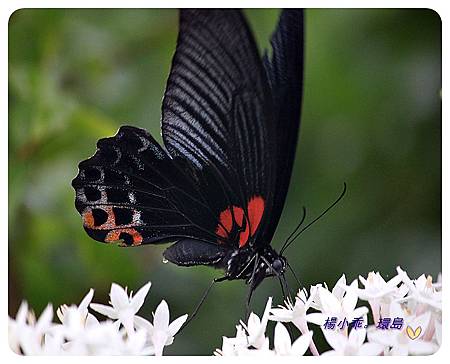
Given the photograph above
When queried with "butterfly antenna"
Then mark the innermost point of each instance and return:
(316, 219)
(296, 228)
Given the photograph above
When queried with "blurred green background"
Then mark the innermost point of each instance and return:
(371, 117)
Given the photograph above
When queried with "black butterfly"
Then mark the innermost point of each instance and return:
(217, 187)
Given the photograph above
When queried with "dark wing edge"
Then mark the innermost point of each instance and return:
(285, 75)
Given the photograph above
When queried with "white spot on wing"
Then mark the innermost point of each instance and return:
(145, 144)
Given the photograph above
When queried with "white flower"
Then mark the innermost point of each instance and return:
(239, 346)
(256, 328)
(89, 319)
(375, 287)
(161, 332)
(398, 340)
(123, 308)
(31, 335)
(52, 345)
(283, 344)
(353, 344)
(232, 346)
(135, 344)
(338, 303)
(297, 314)
(379, 293)
(250, 338)
(101, 339)
(16, 327)
(422, 290)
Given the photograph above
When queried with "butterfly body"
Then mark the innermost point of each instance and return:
(216, 187)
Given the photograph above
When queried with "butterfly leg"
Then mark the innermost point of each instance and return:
(197, 308)
(252, 288)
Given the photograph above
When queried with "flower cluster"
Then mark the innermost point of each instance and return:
(81, 333)
(406, 316)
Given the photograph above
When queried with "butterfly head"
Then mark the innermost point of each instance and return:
(279, 265)
(275, 266)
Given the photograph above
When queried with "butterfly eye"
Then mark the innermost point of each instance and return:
(277, 265)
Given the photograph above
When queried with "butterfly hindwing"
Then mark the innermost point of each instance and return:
(132, 190)
(189, 252)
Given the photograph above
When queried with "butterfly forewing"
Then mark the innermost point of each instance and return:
(217, 115)
(284, 71)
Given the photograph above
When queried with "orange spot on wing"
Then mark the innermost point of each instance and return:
(114, 235)
(88, 219)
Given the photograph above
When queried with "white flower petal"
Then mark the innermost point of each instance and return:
(338, 289)
(300, 345)
(393, 282)
(22, 313)
(282, 340)
(159, 340)
(351, 298)
(175, 325)
(371, 349)
(384, 337)
(142, 323)
(138, 299)
(118, 296)
(281, 314)
(104, 310)
(45, 319)
(359, 312)
(330, 303)
(253, 323)
(356, 337)
(86, 300)
(317, 318)
(161, 318)
(91, 320)
(335, 338)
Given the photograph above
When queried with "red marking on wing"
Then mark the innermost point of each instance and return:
(238, 215)
(114, 235)
(225, 225)
(243, 236)
(226, 221)
(255, 209)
